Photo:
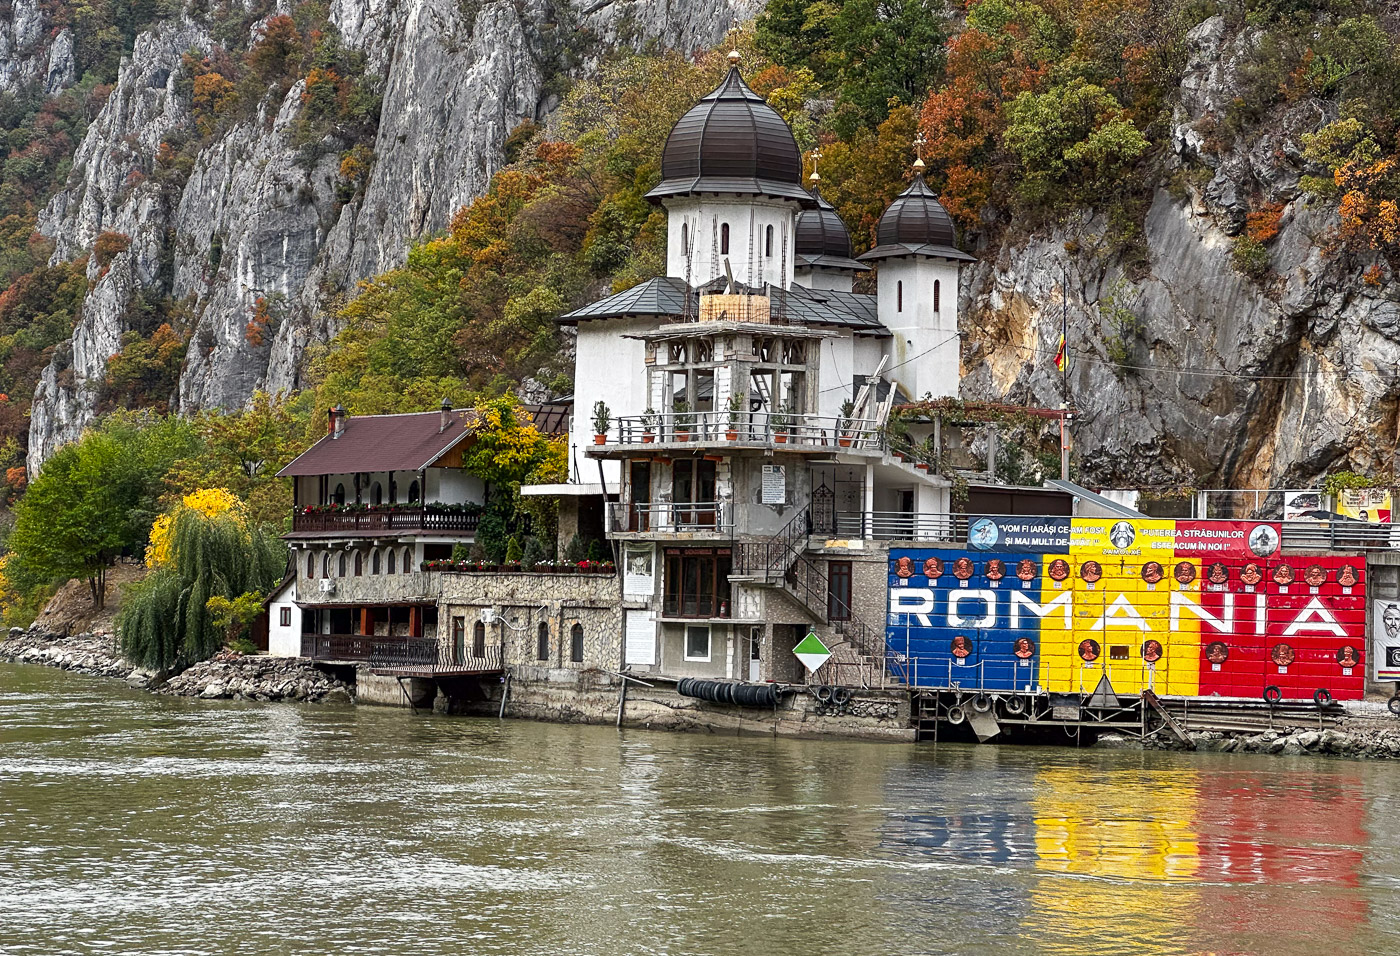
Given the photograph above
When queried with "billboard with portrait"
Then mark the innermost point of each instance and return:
(1181, 607)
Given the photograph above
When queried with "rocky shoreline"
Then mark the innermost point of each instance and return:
(224, 677)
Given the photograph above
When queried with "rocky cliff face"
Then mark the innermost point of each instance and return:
(1184, 371)
(254, 220)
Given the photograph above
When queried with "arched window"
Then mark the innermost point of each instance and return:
(413, 492)
(310, 564)
(340, 494)
(393, 490)
(376, 494)
(374, 562)
(479, 640)
(685, 239)
(407, 560)
(935, 295)
(542, 642)
(899, 296)
(326, 565)
(724, 239)
(340, 566)
(359, 563)
(576, 644)
(393, 558)
(768, 242)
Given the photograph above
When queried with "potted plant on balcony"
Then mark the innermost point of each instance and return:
(843, 423)
(737, 401)
(649, 426)
(782, 422)
(684, 419)
(928, 455)
(602, 418)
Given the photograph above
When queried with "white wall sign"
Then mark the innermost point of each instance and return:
(639, 571)
(774, 484)
(640, 635)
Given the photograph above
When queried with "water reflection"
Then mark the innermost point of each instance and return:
(138, 824)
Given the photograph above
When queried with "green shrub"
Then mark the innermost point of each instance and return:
(1250, 257)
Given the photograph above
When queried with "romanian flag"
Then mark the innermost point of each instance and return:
(1060, 353)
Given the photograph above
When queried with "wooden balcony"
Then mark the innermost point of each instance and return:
(405, 519)
(403, 656)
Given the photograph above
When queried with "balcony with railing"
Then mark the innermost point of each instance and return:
(385, 520)
(742, 430)
(644, 519)
(403, 656)
(901, 526)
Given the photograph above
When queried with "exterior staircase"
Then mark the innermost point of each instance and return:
(781, 563)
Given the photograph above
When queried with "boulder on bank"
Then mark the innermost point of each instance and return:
(233, 676)
(226, 676)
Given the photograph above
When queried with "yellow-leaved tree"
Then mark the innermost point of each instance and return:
(210, 502)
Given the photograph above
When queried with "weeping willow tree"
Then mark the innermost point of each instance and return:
(165, 622)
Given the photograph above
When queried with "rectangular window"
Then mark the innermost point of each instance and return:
(838, 590)
(697, 583)
(697, 642)
(284, 616)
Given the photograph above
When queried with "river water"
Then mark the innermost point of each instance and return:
(138, 824)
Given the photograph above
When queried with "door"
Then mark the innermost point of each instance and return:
(755, 664)
(459, 640)
(639, 482)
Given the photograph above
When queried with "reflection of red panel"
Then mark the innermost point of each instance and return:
(1260, 827)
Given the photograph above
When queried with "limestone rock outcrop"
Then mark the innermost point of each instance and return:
(1184, 370)
(260, 218)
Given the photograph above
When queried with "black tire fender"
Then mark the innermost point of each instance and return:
(1272, 694)
(822, 693)
(981, 703)
(841, 696)
(1322, 697)
(1015, 705)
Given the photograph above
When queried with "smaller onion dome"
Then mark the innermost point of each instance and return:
(821, 238)
(732, 141)
(916, 224)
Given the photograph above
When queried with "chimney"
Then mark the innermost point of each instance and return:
(337, 421)
(444, 416)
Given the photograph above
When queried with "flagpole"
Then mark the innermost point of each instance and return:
(1064, 373)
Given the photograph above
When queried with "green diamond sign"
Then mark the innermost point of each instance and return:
(812, 652)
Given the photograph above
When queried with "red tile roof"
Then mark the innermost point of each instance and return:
(406, 442)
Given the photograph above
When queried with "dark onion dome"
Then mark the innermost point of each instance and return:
(822, 239)
(916, 224)
(731, 142)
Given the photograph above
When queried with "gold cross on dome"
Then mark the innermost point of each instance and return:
(919, 144)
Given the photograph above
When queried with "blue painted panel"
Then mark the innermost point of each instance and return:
(935, 607)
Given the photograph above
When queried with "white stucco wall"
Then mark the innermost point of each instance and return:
(925, 349)
(284, 640)
(748, 218)
(610, 367)
(841, 280)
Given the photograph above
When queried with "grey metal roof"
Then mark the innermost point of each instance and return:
(822, 235)
(731, 142)
(916, 224)
(660, 296)
(665, 298)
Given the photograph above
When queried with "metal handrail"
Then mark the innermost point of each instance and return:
(752, 428)
(901, 525)
(670, 516)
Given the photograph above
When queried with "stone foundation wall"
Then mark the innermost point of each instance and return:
(387, 692)
(593, 698)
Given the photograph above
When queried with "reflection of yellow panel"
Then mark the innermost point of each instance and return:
(1129, 858)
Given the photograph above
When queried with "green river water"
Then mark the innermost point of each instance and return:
(131, 823)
